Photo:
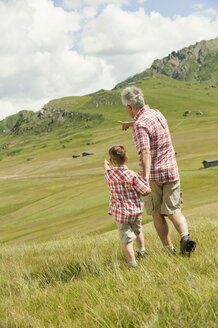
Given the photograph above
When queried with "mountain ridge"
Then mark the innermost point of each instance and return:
(196, 62)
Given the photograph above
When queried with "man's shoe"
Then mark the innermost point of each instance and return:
(141, 255)
(187, 245)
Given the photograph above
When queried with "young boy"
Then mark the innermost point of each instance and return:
(125, 203)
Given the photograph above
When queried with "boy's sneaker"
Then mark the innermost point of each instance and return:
(187, 245)
(132, 264)
(141, 255)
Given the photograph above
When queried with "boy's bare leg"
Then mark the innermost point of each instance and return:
(140, 239)
(162, 229)
(128, 248)
(179, 222)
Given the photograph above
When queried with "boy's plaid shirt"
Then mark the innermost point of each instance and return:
(150, 131)
(125, 186)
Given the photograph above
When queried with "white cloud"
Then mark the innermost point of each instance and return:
(77, 4)
(135, 39)
(72, 4)
(7, 106)
(12, 106)
(198, 6)
(47, 52)
(211, 12)
(89, 13)
(201, 8)
(36, 60)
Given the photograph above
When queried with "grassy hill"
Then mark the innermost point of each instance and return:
(8, 123)
(197, 62)
(47, 194)
(62, 264)
(85, 282)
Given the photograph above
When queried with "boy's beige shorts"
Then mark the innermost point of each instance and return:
(165, 198)
(127, 231)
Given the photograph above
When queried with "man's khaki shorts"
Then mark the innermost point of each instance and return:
(127, 231)
(165, 198)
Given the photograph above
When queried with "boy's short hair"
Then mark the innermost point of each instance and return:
(118, 154)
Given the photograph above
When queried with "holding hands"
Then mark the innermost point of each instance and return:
(106, 165)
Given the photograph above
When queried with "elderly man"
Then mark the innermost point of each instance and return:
(158, 167)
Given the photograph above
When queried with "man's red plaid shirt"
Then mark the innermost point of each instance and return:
(125, 186)
(150, 131)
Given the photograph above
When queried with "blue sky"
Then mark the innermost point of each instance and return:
(167, 8)
(52, 49)
(171, 8)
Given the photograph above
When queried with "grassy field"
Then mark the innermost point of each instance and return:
(85, 282)
(53, 195)
(61, 262)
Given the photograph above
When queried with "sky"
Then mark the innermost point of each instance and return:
(57, 48)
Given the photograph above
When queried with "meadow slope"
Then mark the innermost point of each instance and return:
(53, 195)
(85, 282)
(61, 263)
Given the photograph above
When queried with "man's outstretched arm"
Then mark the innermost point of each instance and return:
(126, 125)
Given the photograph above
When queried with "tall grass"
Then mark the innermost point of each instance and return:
(85, 282)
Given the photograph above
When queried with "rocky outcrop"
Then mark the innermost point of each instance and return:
(59, 115)
(7, 124)
(184, 64)
(49, 118)
(197, 62)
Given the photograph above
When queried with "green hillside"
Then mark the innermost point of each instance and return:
(85, 282)
(46, 194)
(10, 121)
(62, 264)
(198, 62)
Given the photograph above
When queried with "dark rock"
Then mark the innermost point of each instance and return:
(30, 159)
(75, 156)
(87, 153)
(187, 113)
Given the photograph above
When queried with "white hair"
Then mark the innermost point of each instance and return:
(133, 97)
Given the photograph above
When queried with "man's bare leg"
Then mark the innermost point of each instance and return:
(162, 229)
(179, 222)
